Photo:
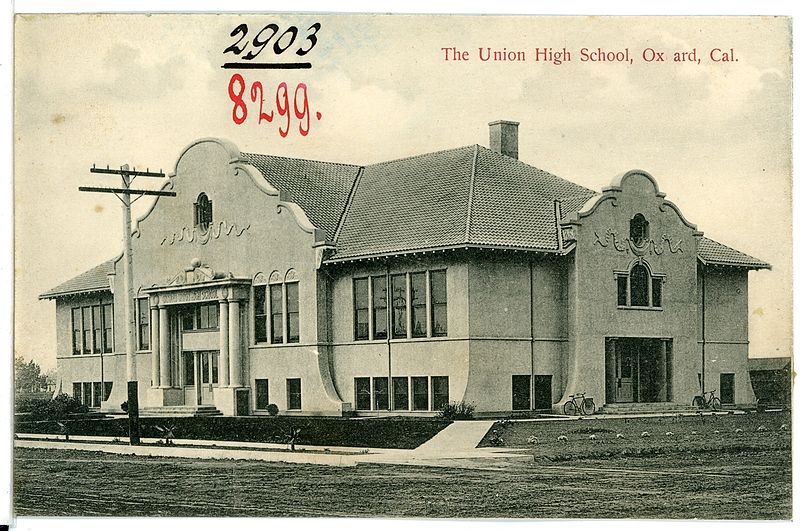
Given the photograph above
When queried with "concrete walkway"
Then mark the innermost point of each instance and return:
(456, 442)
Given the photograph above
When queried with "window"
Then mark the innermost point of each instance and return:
(77, 394)
(363, 394)
(76, 331)
(381, 388)
(203, 212)
(276, 305)
(361, 304)
(188, 368)
(521, 391)
(107, 390)
(419, 312)
(639, 230)
(399, 306)
(92, 329)
(97, 390)
(200, 317)
(293, 312)
(260, 313)
(379, 307)
(143, 320)
(639, 288)
(293, 392)
(400, 390)
(441, 391)
(439, 303)
(91, 394)
(419, 388)
(418, 299)
(262, 393)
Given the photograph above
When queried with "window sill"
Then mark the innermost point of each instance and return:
(397, 340)
(646, 308)
(199, 330)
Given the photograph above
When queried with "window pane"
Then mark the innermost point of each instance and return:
(204, 367)
(381, 388)
(640, 279)
(419, 387)
(439, 302)
(87, 394)
(293, 311)
(76, 391)
(276, 304)
(399, 306)
(187, 318)
(379, 307)
(87, 331)
(262, 394)
(622, 290)
(657, 292)
(260, 313)
(293, 387)
(97, 329)
(400, 391)
(108, 331)
(97, 391)
(361, 308)
(215, 368)
(76, 330)
(419, 317)
(143, 318)
(107, 391)
(441, 391)
(188, 368)
(363, 401)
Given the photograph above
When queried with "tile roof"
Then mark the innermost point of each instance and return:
(711, 252)
(320, 188)
(89, 281)
(457, 197)
(769, 364)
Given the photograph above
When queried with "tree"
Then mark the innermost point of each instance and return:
(28, 376)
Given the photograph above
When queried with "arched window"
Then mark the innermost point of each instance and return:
(640, 285)
(639, 230)
(203, 212)
(638, 288)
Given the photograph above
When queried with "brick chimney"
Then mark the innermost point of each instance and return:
(504, 138)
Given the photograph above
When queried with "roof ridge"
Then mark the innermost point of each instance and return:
(428, 153)
(348, 203)
(471, 195)
(244, 153)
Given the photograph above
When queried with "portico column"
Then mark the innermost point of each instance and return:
(198, 379)
(164, 347)
(223, 344)
(154, 348)
(234, 344)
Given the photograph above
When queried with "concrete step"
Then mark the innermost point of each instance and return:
(645, 407)
(180, 411)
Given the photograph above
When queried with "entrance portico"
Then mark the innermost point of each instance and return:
(196, 339)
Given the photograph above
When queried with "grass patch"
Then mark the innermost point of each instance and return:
(362, 433)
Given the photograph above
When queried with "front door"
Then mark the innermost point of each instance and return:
(209, 375)
(624, 375)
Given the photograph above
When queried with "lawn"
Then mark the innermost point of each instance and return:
(593, 437)
(741, 485)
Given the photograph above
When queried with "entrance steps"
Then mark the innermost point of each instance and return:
(645, 407)
(180, 411)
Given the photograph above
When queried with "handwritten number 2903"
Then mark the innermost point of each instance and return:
(284, 104)
(263, 37)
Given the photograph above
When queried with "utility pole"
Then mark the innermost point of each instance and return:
(124, 195)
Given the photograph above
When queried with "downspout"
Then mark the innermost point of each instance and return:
(533, 338)
(703, 334)
(389, 310)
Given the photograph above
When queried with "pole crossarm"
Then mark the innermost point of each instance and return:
(125, 191)
(132, 173)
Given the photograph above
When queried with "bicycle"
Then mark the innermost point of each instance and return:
(578, 403)
(713, 403)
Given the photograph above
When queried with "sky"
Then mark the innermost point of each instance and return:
(137, 89)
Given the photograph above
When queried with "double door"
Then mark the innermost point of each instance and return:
(201, 372)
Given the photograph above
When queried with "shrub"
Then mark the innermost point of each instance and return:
(457, 411)
(58, 408)
(272, 409)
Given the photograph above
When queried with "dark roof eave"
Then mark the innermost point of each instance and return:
(751, 266)
(59, 294)
(431, 250)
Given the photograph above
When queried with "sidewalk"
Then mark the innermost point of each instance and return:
(457, 441)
